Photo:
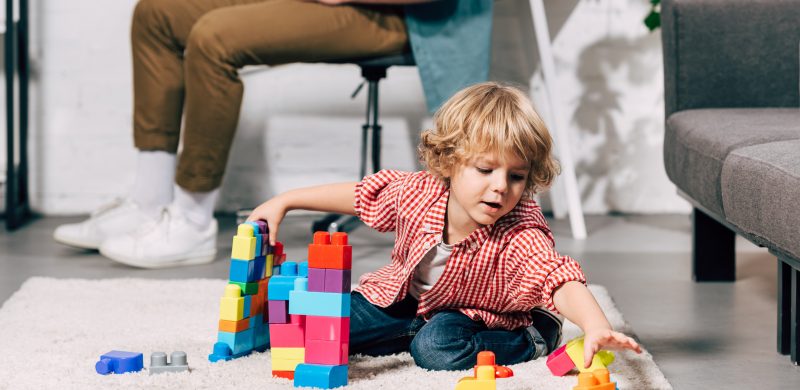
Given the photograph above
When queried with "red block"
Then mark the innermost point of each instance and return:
(286, 335)
(328, 328)
(283, 374)
(330, 252)
(326, 352)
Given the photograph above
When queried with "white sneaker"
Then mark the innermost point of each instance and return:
(168, 242)
(121, 216)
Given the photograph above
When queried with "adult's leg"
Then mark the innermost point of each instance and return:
(272, 32)
(451, 341)
(159, 31)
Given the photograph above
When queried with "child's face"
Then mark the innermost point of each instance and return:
(484, 189)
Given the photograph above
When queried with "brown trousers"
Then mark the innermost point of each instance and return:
(187, 53)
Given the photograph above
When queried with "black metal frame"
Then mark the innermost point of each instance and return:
(17, 63)
(347, 223)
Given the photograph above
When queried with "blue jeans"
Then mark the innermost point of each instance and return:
(448, 341)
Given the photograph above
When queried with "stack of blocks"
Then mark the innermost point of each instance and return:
(243, 309)
(309, 315)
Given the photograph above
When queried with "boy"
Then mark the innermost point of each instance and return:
(473, 260)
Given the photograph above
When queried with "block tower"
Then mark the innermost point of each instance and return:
(309, 306)
(243, 309)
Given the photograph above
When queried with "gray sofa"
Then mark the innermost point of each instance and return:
(732, 141)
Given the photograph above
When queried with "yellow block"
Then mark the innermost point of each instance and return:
(288, 354)
(231, 306)
(244, 248)
(485, 380)
(575, 351)
(245, 230)
(268, 272)
(285, 365)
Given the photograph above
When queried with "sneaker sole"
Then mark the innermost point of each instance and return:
(76, 243)
(174, 261)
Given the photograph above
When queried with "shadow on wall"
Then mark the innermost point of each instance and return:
(612, 167)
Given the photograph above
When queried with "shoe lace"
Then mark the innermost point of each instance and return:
(164, 218)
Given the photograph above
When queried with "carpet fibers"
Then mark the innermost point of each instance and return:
(52, 331)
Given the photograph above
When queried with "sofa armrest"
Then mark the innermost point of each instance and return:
(730, 53)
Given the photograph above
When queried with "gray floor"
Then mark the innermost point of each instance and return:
(703, 336)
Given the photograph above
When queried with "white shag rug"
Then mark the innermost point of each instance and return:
(52, 332)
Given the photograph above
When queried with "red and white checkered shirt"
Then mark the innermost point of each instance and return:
(497, 274)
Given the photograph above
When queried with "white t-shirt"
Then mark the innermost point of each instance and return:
(429, 269)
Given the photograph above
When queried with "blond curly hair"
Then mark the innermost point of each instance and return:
(494, 118)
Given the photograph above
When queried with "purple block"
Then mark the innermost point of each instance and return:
(262, 227)
(316, 279)
(337, 280)
(278, 312)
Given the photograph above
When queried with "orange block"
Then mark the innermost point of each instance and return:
(283, 374)
(234, 326)
(598, 379)
(330, 252)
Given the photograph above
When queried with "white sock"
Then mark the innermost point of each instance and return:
(197, 207)
(155, 176)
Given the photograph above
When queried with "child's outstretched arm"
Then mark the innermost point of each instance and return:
(577, 304)
(333, 198)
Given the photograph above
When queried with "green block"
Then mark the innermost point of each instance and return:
(247, 288)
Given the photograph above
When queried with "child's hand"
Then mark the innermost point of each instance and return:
(595, 340)
(272, 212)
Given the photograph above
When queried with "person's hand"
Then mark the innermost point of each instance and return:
(272, 212)
(595, 340)
(333, 2)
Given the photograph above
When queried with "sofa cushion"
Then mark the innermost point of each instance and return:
(761, 193)
(697, 142)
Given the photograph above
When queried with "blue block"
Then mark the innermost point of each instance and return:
(248, 302)
(259, 266)
(289, 268)
(243, 271)
(256, 321)
(276, 270)
(279, 287)
(223, 352)
(302, 269)
(119, 362)
(239, 342)
(261, 342)
(319, 304)
(320, 376)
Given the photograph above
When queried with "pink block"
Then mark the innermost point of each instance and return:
(559, 362)
(297, 319)
(328, 328)
(286, 335)
(326, 352)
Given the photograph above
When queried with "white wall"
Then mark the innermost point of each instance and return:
(299, 127)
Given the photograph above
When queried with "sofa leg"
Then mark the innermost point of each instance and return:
(784, 307)
(713, 250)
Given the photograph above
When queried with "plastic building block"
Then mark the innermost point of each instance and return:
(485, 374)
(159, 363)
(119, 362)
(337, 280)
(268, 264)
(330, 251)
(244, 243)
(248, 302)
(247, 288)
(234, 326)
(597, 380)
(278, 312)
(231, 306)
(328, 328)
(262, 337)
(222, 351)
(326, 352)
(316, 279)
(259, 268)
(243, 271)
(283, 374)
(559, 362)
(322, 376)
(319, 304)
(575, 351)
(239, 342)
(279, 287)
(292, 353)
(287, 335)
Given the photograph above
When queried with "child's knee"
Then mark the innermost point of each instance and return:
(432, 353)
